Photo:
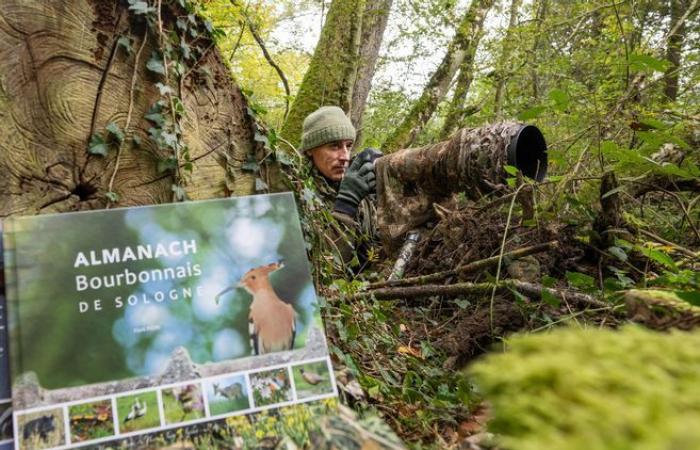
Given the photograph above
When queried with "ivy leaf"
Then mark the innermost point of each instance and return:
(618, 253)
(462, 303)
(165, 165)
(97, 146)
(125, 42)
(140, 7)
(164, 89)
(170, 139)
(181, 24)
(115, 131)
(260, 185)
(250, 166)
(155, 64)
(283, 158)
(185, 49)
(179, 192)
(155, 117)
(112, 196)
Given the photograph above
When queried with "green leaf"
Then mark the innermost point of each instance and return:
(580, 280)
(185, 49)
(641, 61)
(612, 192)
(260, 185)
(164, 89)
(112, 196)
(179, 192)
(512, 170)
(550, 299)
(531, 113)
(115, 131)
(140, 7)
(125, 42)
(560, 98)
(658, 256)
(136, 139)
(155, 64)
(97, 145)
(462, 303)
(618, 253)
(165, 165)
(155, 117)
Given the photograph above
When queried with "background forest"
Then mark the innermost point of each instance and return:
(614, 88)
(559, 313)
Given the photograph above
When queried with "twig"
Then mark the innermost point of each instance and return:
(529, 289)
(466, 268)
(100, 86)
(500, 256)
(678, 247)
(691, 10)
(128, 114)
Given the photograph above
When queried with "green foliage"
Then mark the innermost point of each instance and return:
(595, 388)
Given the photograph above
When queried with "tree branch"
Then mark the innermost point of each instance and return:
(466, 268)
(457, 289)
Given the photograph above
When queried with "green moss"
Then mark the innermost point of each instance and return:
(595, 389)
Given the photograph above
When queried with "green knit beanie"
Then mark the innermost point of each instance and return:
(326, 124)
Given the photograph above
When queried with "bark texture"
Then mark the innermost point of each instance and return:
(463, 46)
(332, 71)
(63, 77)
(502, 73)
(374, 21)
(674, 47)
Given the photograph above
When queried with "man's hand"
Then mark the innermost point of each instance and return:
(359, 181)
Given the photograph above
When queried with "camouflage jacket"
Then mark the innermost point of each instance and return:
(353, 235)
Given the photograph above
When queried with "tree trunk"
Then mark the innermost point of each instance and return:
(502, 73)
(462, 46)
(374, 21)
(67, 76)
(541, 13)
(674, 48)
(331, 75)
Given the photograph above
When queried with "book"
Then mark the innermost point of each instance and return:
(137, 325)
(5, 396)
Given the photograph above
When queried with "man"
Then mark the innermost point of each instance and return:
(327, 139)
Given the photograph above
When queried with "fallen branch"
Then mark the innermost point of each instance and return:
(466, 268)
(528, 289)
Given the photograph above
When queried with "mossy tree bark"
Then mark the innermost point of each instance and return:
(462, 47)
(342, 67)
(330, 78)
(674, 47)
(501, 71)
(374, 21)
(65, 75)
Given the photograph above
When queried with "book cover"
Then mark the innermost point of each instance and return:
(5, 397)
(135, 322)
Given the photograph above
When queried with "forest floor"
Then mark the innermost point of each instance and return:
(409, 354)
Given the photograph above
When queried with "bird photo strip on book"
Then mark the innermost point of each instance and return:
(134, 327)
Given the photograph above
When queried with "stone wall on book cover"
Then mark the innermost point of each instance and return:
(126, 325)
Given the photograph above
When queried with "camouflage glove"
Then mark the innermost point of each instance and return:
(359, 181)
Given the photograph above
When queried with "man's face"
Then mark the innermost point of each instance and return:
(332, 159)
